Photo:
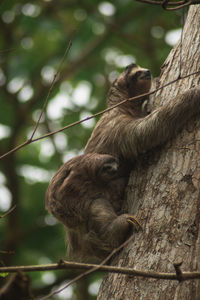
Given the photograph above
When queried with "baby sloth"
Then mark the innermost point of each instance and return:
(86, 195)
(87, 192)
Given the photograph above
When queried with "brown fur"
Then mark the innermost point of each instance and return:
(86, 195)
(88, 200)
(127, 131)
(111, 134)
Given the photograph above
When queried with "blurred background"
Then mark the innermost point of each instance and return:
(33, 39)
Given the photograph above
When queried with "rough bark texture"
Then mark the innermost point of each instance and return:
(164, 190)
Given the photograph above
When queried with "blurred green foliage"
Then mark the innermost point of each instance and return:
(33, 39)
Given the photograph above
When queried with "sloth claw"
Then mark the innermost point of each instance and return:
(134, 222)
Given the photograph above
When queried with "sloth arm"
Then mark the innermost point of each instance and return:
(137, 136)
(107, 226)
(163, 123)
(126, 137)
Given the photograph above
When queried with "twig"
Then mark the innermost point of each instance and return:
(8, 212)
(174, 5)
(95, 115)
(165, 3)
(88, 271)
(161, 2)
(51, 88)
(180, 6)
(179, 273)
(111, 269)
(9, 252)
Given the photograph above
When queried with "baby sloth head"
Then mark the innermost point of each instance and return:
(135, 80)
(92, 167)
(77, 177)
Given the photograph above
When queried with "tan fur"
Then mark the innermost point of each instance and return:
(87, 200)
(86, 195)
(127, 130)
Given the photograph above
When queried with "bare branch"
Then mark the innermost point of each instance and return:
(111, 269)
(7, 252)
(8, 212)
(93, 269)
(171, 5)
(177, 267)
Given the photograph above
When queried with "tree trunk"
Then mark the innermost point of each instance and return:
(164, 191)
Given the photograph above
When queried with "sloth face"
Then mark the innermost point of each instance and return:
(138, 80)
(93, 168)
(78, 182)
(135, 80)
(90, 167)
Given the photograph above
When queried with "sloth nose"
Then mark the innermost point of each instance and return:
(147, 73)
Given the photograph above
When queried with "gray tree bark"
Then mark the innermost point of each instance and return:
(164, 189)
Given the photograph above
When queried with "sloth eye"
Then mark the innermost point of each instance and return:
(107, 168)
(137, 74)
(110, 168)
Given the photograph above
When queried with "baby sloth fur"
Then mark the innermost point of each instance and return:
(87, 192)
(86, 195)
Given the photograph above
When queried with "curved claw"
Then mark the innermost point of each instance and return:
(133, 221)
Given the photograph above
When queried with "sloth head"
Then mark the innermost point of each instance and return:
(79, 175)
(92, 166)
(134, 81)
